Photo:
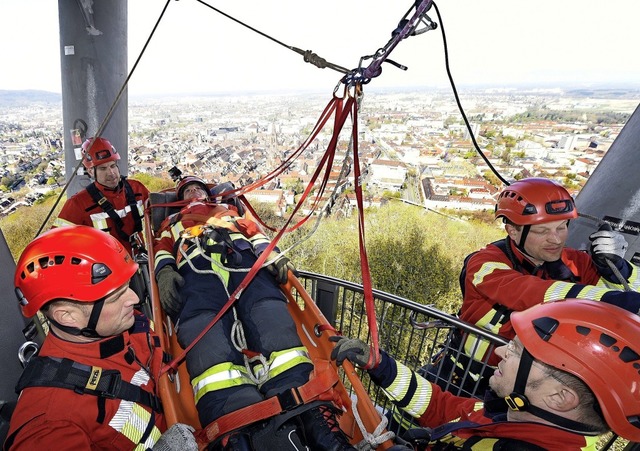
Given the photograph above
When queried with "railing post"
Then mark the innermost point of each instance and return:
(326, 297)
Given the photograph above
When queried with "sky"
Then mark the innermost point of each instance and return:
(575, 43)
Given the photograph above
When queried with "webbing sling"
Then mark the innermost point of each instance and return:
(106, 206)
(66, 373)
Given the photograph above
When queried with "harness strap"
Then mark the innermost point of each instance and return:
(324, 380)
(131, 200)
(106, 206)
(66, 373)
(501, 444)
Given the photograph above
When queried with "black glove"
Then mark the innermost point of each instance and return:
(354, 350)
(280, 267)
(608, 245)
(169, 280)
(178, 437)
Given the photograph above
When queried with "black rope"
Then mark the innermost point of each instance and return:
(455, 93)
(309, 56)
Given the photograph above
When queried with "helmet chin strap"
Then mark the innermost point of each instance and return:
(523, 238)
(518, 401)
(90, 330)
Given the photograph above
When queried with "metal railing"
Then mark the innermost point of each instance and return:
(414, 334)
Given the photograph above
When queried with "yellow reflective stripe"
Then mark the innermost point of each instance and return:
(473, 376)
(132, 419)
(162, 256)
(176, 230)
(218, 377)
(398, 390)
(137, 425)
(216, 268)
(258, 238)
(484, 444)
(591, 443)
(593, 293)
(59, 222)
(103, 215)
(281, 361)
(557, 290)
(99, 223)
(475, 346)
(634, 278)
(486, 269)
(401, 418)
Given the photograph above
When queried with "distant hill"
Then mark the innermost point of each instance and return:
(17, 98)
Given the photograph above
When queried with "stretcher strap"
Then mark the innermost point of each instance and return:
(323, 381)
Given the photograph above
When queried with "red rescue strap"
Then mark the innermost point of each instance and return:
(364, 260)
(326, 162)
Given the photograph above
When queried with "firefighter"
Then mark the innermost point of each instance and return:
(93, 383)
(195, 278)
(528, 267)
(569, 374)
(111, 203)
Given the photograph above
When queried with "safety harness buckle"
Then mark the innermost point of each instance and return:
(114, 386)
(516, 401)
(290, 399)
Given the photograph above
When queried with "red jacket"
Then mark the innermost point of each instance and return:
(81, 209)
(59, 418)
(455, 420)
(492, 281)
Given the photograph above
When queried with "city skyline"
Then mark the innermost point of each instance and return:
(195, 49)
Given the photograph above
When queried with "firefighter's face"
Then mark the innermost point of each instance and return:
(544, 242)
(108, 174)
(117, 312)
(194, 191)
(539, 383)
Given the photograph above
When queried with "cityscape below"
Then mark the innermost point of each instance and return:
(413, 144)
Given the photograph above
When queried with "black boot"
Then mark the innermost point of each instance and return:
(322, 431)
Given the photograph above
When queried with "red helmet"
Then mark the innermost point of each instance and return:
(596, 342)
(100, 152)
(79, 263)
(183, 182)
(535, 201)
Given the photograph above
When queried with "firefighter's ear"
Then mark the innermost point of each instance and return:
(512, 231)
(67, 314)
(563, 399)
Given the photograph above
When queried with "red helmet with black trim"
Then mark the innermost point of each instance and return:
(78, 263)
(188, 180)
(535, 201)
(596, 342)
(97, 151)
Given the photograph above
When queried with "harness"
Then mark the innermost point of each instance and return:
(106, 206)
(83, 379)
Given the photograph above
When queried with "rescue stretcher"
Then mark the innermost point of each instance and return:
(360, 419)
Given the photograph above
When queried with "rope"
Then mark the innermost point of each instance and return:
(308, 55)
(371, 440)
(457, 97)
